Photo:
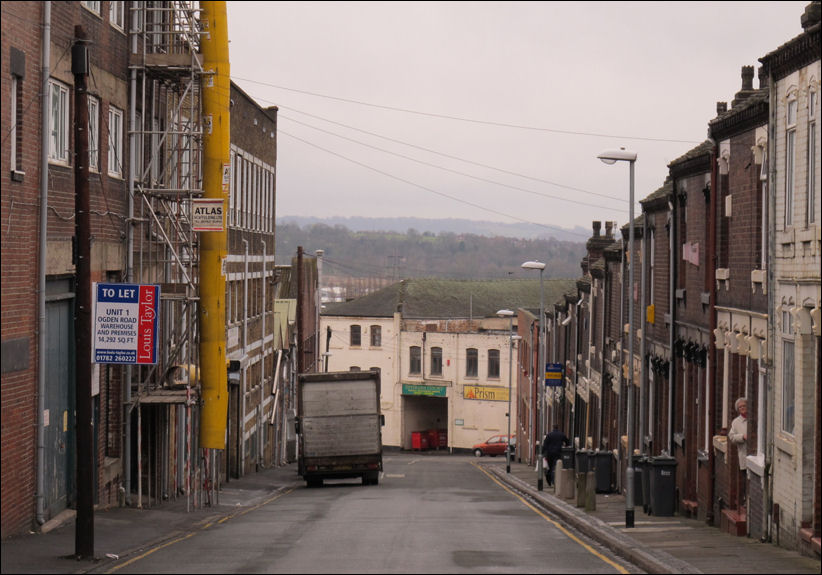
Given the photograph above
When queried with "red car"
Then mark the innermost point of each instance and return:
(495, 445)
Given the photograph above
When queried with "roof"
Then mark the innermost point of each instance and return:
(662, 193)
(450, 299)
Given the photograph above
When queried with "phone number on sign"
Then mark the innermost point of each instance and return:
(103, 356)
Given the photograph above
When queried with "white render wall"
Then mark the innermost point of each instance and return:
(469, 421)
(796, 269)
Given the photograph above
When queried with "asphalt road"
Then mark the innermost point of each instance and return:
(427, 515)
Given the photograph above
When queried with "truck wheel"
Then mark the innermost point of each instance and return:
(478, 452)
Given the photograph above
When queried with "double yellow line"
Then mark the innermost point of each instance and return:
(203, 528)
(539, 512)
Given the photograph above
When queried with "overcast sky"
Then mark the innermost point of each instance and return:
(513, 99)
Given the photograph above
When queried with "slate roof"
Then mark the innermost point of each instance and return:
(663, 192)
(451, 299)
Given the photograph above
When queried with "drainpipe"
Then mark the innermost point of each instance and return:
(645, 389)
(623, 392)
(672, 251)
(241, 418)
(260, 426)
(602, 368)
(41, 292)
(768, 487)
(710, 372)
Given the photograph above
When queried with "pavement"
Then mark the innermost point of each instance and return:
(655, 544)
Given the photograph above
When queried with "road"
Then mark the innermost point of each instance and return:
(429, 514)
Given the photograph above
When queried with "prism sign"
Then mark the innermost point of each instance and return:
(125, 323)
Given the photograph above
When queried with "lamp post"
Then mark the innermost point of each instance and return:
(510, 315)
(610, 157)
(532, 265)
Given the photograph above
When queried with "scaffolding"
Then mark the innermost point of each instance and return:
(165, 143)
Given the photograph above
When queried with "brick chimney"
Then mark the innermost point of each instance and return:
(747, 86)
(597, 227)
(812, 15)
(721, 108)
(609, 229)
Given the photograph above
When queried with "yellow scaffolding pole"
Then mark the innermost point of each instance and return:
(216, 85)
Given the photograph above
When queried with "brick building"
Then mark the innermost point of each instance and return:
(693, 286)
(145, 161)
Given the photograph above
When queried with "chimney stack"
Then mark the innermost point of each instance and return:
(597, 226)
(721, 108)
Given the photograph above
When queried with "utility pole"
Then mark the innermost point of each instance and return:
(84, 523)
(300, 303)
(214, 245)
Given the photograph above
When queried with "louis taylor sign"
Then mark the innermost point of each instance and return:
(125, 323)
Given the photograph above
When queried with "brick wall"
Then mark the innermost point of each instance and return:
(20, 214)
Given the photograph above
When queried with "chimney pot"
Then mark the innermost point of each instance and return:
(747, 77)
(721, 108)
(597, 226)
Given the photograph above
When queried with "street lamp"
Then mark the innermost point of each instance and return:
(532, 265)
(610, 157)
(510, 315)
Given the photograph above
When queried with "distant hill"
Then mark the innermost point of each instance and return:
(436, 226)
(391, 255)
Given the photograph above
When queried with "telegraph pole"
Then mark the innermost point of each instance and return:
(84, 525)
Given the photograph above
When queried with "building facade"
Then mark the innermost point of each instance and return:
(442, 352)
(144, 162)
(793, 72)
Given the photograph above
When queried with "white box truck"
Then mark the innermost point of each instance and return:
(339, 426)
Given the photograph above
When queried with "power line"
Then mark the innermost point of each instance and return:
(471, 120)
(429, 150)
(431, 190)
(486, 180)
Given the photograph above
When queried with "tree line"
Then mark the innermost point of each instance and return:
(395, 256)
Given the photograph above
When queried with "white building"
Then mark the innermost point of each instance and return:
(442, 352)
(794, 78)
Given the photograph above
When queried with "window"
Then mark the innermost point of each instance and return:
(493, 363)
(115, 142)
(117, 14)
(790, 146)
(356, 336)
(59, 110)
(813, 101)
(91, 5)
(376, 336)
(471, 362)
(788, 374)
(436, 361)
(16, 116)
(415, 364)
(93, 133)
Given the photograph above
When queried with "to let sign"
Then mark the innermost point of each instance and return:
(125, 323)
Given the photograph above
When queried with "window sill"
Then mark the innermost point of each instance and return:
(756, 464)
(721, 443)
(17, 175)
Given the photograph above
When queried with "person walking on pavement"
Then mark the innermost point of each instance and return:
(552, 450)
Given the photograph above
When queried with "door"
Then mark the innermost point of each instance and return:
(59, 436)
